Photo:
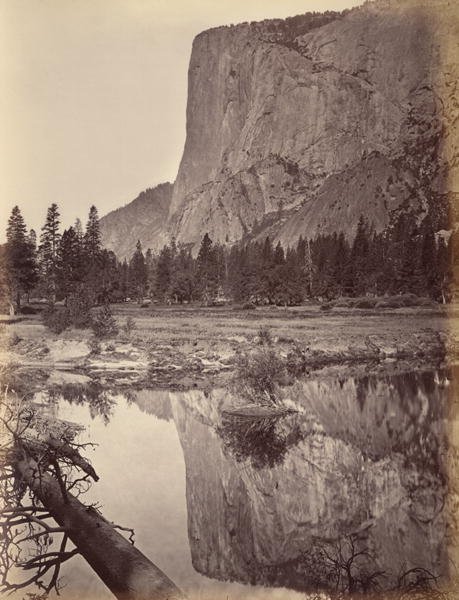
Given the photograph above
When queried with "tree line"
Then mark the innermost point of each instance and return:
(408, 257)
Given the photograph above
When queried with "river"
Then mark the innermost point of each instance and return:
(350, 491)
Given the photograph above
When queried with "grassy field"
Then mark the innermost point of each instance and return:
(337, 329)
(306, 324)
(177, 343)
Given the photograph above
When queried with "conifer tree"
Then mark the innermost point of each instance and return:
(32, 237)
(93, 257)
(207, 270)
(183, 277)
(48, 252)
(164, 274)
(70, 267)
(20, 269)
(428, 258)
(150, 263)
(92, 239)
(443, 271)
(359, 256)
(138, 272)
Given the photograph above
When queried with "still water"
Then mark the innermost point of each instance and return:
(350, 493)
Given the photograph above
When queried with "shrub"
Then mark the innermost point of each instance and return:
(382, 304)
(264, 336)
(28, 310)
(94, 346)
(248, 306)
(129, 326)
(365, 303)
(76, 314)
(297, 361)
(57, 319)
(79, 307)
(342, 303)
(427, 302)
(103, 323)
(150, 348)
(258, 375)
(13, 340)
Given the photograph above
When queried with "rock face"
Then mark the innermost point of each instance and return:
(307, 124)
(298, 126)
(142, 219)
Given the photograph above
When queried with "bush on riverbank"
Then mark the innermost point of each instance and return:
(103, 323)
(79, 315)
(369, 302)
(258, 376)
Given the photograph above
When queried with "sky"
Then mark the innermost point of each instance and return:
(93, 96)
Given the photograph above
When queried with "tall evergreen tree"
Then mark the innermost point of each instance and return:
(443, 271)
(164, 270)
(207, 270)
(71, 267)
(183, 277)
(138, 273)
(92, 238)
(48, 252)
(93, 257)
(20, 269)
(32, 237)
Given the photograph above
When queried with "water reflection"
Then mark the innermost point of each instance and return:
(347, 495)
(262, 441)
(100, 402)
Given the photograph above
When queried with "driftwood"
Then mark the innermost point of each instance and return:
(62, 450)
(121, 566)
(256, 411)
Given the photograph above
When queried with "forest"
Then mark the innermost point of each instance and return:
(72, 267)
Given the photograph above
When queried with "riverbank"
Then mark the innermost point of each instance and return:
(196, 347)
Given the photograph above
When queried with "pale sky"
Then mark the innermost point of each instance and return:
(93, 95)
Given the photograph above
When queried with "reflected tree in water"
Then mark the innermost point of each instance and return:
(261, 441)
(99, 400)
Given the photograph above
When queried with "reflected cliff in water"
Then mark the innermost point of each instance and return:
(350, 493)
(347, 494)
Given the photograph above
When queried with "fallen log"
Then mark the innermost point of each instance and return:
(256, 411)
(73, 455)
(62, 449)
(121, 566)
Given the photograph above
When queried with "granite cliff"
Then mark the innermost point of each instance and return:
(298, 126)
(142, 219)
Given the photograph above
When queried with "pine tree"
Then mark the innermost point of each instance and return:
(92, 239)
(359, 257)
(32, 237)
(443, 271)
(70, 267)
(164, 274)
(78, 228)
(138, 273)
(93, 257)
(207, 270)
(20, 269)
(428, 258)
(183, 277)
(48, 252)
(306, 265)
(124, 284)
